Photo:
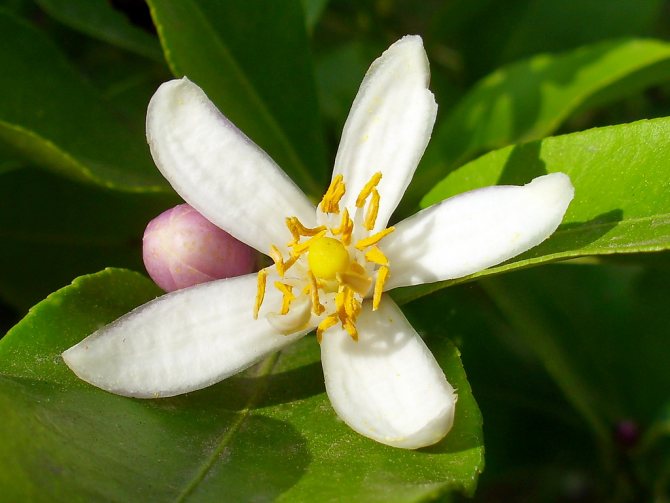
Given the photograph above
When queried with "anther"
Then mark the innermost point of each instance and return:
(374, 239)
(357, 278)
(281, 265)
(260, 291)
(373, 210)
(298, 230)
(287, 296)
(325, 324)
(382, 274)
(331, 199)
(317, 307)
(300, 248)
(367, 189)
(376, 256)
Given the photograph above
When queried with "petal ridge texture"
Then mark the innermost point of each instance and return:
(218, 170)
(180, 342)
(388, 127)
(475, 230)
(388, 385)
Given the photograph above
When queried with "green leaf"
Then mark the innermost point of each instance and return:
(53, 230)
(489, 33)
(267, 434)
(531, 99)
(8, 160)
(339, 73)
(263, 83)
(98, 19)
(55, 119)
(529, 426)
(597, 335)
(622, 196)
(313, 11)
(601, 334)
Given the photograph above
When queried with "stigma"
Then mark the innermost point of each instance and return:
(332, 268)
(327, 257)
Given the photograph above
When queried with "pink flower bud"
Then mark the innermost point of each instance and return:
(181, 248)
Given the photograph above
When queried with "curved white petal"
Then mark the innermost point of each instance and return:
(180, 342)
(387, 386)
(475, 230)
(389, 126)
(218, 170)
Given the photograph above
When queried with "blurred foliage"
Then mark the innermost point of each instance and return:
(566, 362)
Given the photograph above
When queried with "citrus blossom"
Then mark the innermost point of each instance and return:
(331, 264)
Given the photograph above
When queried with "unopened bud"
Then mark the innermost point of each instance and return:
(181, 248)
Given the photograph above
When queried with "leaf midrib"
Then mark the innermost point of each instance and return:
(228, 436)
(251, 91)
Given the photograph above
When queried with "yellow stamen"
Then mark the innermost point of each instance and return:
(345, 229)
(325, 324)
(375, 255)
(356, 278)
(373, 210)
(260, 291)
(365, 192)
(382, 274)
(317, 307)
(331, 199)
(344, 222)
(297, 229)
(339, 303)
(287, 292)
(374, 239)
(350, 304)
(300, 248)
(331, 270)
(350, 327)
(281, 265)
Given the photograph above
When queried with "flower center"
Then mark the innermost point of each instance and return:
(331, 268)
(327, 257)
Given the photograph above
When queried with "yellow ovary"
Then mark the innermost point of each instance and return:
(327, 257)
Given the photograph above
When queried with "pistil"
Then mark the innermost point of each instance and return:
(328, 266)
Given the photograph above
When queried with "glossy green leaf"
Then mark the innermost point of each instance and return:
(490, 33)
(263, 83)
(267, 434)
(529, 427)
(531, 99)
(98, 19)
(557, 312)
(53, 230)
(558, 357)
(621, 176)
(601, 334)
(54, 118)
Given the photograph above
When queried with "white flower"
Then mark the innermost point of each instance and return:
(331, 264)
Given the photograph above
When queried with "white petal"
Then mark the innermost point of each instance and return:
(296, 319)
(218, 170)
(182, 341)
(475, 230)
(389, 126)
(387, 386)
